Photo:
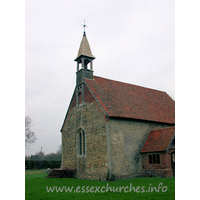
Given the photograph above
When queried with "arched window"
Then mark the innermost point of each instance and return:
(158, 158)
(173, 141)
(154, 159)
(173, 157)
(81, 142)
(150, 159)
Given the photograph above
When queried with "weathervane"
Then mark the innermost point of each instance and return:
(84, 25)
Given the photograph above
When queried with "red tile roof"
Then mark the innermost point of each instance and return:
(158, 140)
(131, 101)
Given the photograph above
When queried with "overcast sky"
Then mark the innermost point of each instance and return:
(133, 41)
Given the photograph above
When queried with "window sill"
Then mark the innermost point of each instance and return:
(81, 156)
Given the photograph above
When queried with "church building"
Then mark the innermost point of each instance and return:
(114, 130)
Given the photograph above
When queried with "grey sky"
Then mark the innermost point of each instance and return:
(132, 40)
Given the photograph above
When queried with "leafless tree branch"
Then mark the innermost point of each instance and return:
(30, 136)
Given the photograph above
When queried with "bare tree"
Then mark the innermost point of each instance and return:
(30, 136)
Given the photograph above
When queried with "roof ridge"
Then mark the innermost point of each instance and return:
(130, 84)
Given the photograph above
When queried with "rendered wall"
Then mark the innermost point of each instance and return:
(126, 139)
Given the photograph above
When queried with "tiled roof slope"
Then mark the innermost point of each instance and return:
(84, 48)
(131, 101)
(158, 140)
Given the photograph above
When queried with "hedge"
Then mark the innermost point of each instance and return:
(42, 164)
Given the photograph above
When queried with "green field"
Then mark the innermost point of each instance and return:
(36, 186)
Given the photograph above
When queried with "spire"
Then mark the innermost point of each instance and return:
(84, 49)
(83, 58)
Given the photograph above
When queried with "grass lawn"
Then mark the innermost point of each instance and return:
(36, 186)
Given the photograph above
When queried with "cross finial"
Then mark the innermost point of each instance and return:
(84, 25)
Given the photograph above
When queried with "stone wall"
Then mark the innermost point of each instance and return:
(89, 117)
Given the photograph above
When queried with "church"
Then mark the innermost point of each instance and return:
(114, 130)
